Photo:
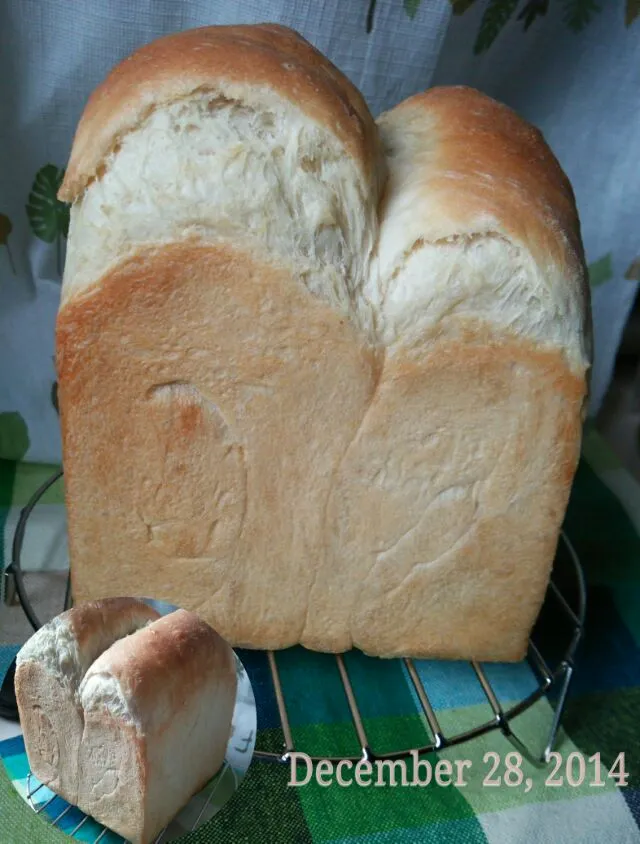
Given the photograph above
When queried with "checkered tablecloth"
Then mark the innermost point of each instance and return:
(602, 715)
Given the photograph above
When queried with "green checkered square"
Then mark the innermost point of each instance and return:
(336, 812)
(607, 723)
(532, 728)
(627, 600)
(264, 808)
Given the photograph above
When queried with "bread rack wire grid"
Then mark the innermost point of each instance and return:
(560, 621)
(102, 833)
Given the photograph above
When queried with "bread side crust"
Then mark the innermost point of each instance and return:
(450, 510)
(52, 724)
(221, 397)
(528, 401)
(113, 774)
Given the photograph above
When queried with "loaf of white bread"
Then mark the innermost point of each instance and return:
(322, 379)
(126, 714)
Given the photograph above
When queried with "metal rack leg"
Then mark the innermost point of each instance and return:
(559, 710)
(562, 682)
(10, 590)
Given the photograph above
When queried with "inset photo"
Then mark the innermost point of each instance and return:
(138, 722)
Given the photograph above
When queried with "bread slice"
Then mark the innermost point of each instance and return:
(126, 714)
(338, 369)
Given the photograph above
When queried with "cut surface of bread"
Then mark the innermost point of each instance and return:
(322, 380)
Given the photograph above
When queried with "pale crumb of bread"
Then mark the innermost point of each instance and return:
(55, 646)
(102, 692)
(215, 169)
(431, 264)
(484, 277)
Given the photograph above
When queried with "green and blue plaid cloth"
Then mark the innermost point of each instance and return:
(602, 716)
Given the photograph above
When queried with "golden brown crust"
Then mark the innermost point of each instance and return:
(487, 161)
(182, 64)
(464, 578)
(225, 515)
(155, 667)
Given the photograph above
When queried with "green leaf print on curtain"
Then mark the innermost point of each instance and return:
(578, 13)
(493, 20)
(48, 217)
(633, 270)
(600, 271)
(459, 7)
(411, 7)
(14, 436)
(532, 10)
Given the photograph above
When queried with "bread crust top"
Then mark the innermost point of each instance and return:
(463, 166)
(89, 621)
(231, 59)
(450, 165)
(177, 655)
(71, 641)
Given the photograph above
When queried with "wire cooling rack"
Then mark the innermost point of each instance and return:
(44, 807)
(57, 812)
(551, 654)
